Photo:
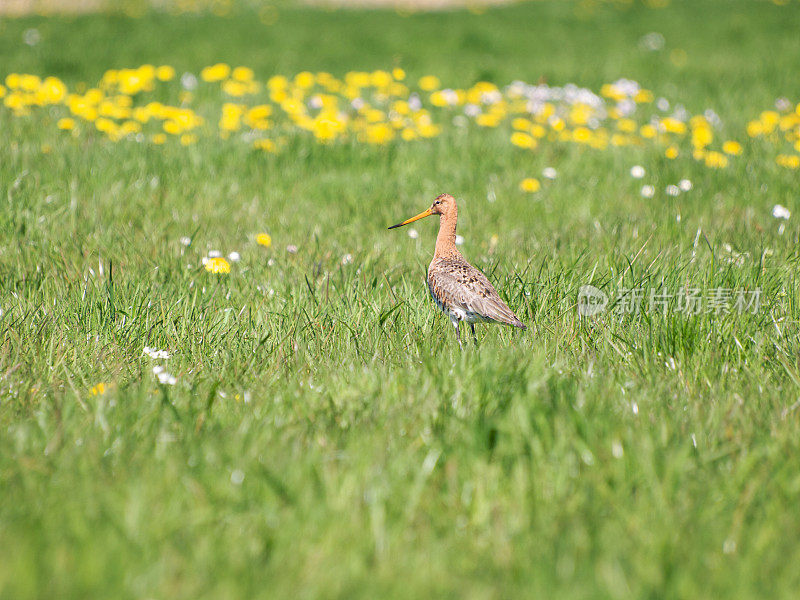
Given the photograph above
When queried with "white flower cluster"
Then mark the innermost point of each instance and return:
(164, 377)
(155, 353)
(159, 371)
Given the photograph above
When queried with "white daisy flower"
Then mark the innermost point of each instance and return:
(155, 353)
(549, 173)
(780, 212)
(637, 171)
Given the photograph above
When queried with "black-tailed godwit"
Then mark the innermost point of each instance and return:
(458, 288)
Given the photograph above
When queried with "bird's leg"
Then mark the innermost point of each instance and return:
(458, 333)
(474, 337)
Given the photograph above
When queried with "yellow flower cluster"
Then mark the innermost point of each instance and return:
(24, 91)
(375, 108)
(780, 129)
(618, 119)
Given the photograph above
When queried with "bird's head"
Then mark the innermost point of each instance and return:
(443, 204)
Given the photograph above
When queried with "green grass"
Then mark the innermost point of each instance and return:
(326, 436)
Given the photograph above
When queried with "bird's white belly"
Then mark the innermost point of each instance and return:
(457, 313)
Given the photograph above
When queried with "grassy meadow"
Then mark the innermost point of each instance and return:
(315, 431)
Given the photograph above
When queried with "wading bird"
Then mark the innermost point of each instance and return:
(459, 289)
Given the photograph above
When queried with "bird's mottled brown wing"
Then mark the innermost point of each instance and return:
(455, 282)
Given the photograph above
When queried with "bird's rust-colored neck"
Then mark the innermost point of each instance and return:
(446, 239)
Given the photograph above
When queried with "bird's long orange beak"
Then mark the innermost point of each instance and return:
(425, 213)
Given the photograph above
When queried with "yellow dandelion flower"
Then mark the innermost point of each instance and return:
(159, 138)
(123, 101)
(243, 74)
(172, 127)
(304, 80)
(131, 82)
(538, 131)
(218, 265)
(580, 114)
(216, 72)
(702, 137)
(439, 99)
(523, 140)
(264, 239)
(716, 160)
(754, 128)
(643, 96)
(105, 125)
(357, 79)
(648, 131)
(14, 101)
(487, 120)
(770, 120)
(165, 73)
(671, 125)
(52, 90)
(671, 152)
(731, 147)
(129, 127)
(521, 123)
(788, 122)
(529, 184)
(399, 74)
(141, 114)
(428, 130)
(66, 123)
(611, 91)
(146, 71)
(99, 389)
(234, 88)
(790, 161)
(582, 135)
(379, 133)
(2, 91)
(12, 80)
(93, 96)
(231, 117)
(380, 79)
(277, 82)
(29, 83)
(428, 83)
